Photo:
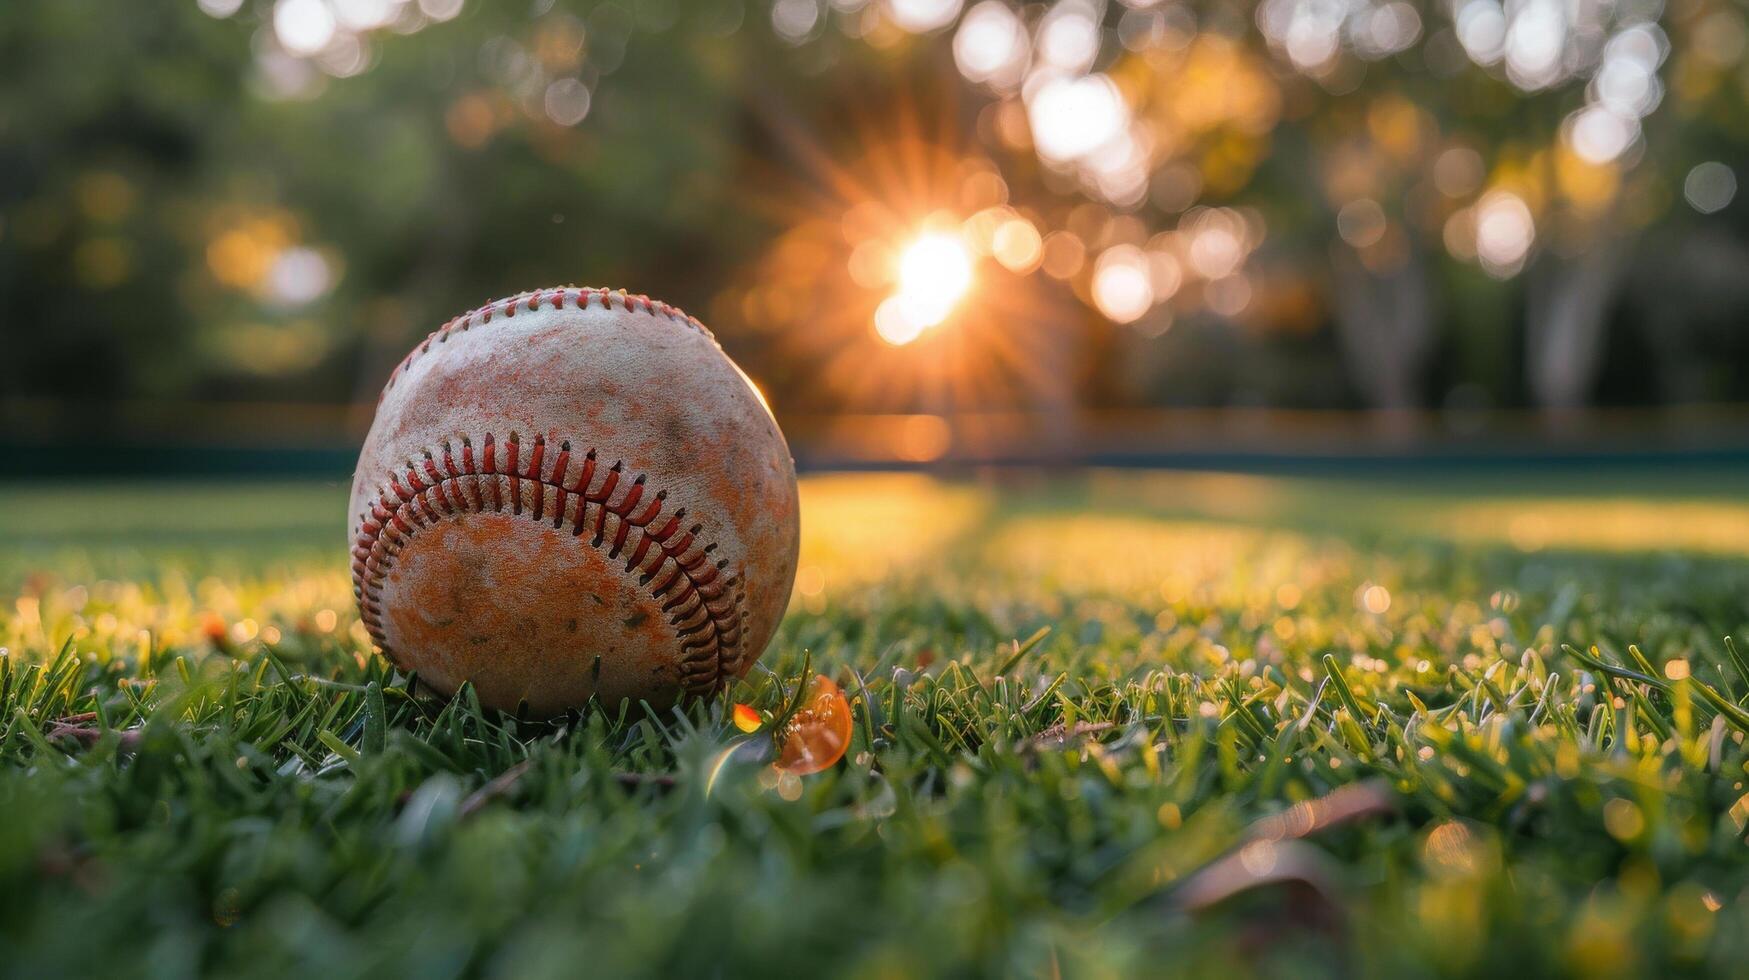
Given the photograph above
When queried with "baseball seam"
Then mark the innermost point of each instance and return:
(564, 297)
(704, 605)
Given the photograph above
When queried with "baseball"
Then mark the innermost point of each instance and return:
(573, 492)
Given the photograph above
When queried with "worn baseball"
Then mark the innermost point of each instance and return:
(573, 493)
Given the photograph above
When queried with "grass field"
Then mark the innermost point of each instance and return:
(1426, 728)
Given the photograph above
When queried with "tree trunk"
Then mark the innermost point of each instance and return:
(1567, 304)
(1385, 328)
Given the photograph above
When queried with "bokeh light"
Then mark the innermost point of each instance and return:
(1069, 36)
(1361, 222)
(1599, 134)
(364, 15)
(1458, 172)
(567, 101)
(795, 20)
(919, 16)
(1505, 230)
(1710, 187)
(303, 26)
(440, 10)
(1017, 245)
(299, 276)
(1122, 286)
(1064, 254)
(895, 322)
(1535, 37)
(1074, 117)
(991, 45)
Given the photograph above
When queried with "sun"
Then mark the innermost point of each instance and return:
(901, 282)
(934, 273)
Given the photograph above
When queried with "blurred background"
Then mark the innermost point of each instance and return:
(934, 231)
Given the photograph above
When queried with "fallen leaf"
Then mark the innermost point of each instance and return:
(746, 719)
(213, 628)
(817, 735)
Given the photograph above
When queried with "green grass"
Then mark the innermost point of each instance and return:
(203, 769)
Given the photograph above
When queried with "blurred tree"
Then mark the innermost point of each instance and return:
(897, 205)
(1532, 141)
(191, 210)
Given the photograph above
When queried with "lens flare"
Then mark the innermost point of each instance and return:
(895, 324)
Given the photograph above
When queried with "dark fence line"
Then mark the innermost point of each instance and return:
(164, 440)
(39, 462)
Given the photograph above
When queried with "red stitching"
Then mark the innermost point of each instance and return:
(578, 297)
(704, 607)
